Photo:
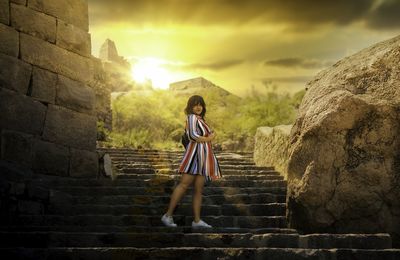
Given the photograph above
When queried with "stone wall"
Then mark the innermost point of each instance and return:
(47, 101)
(344, 165)
(102, 87)
(271, 147)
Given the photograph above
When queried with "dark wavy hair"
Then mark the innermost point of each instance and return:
(195, 100)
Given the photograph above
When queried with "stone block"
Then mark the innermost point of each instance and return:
(72, 11)
(44, 85)
(14, 172)
(9, 40)
(21, 113)
(16, 147)
(5, 12)
(74, 95)
(271, 147)
(84, 163)
(37, 192)
(15, 188)
(14, 74)
(73, 38)
(34, 23)
(20, 2)
(27, 207)
(59, 199)
(55, 59)
(70, 128)
(49, 158)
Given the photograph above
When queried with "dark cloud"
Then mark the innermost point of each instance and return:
(386, 15)
(293, 79)
(218, 65)
(205, 12)
(298, 63)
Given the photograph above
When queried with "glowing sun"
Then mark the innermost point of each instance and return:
(151, 69)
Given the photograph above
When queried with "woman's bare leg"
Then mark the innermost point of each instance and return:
(197, 196)
(180, 190)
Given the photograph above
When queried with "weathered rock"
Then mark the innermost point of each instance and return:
(5, 12)
(55, 59)
(84, 163)
(344, 166)
(72, 11)
(73, 38)
(20, 2)
(74, 95)
(50, 158)
(21, 113)
(272, 147)
(34, 23)
(14, 74)
(16, 147)
(70, 128)
(9, 40)
(44, 85)
(108, 169)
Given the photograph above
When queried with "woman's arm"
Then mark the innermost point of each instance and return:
(193, 134)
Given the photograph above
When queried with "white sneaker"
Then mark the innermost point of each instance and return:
(200, 224)
(168, 221)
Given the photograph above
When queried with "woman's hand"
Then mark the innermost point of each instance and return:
(211, 136)
(208, 138)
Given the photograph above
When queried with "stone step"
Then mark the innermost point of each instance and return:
(184, 253)
(176, 166)
(271, 209)
(145, 240)
(233, 155)
(177, 176)
(175, 239)
(157, 182)
(161, 190)
(143, 220)
(362, 241)
(222, 161)
(155, 151)
(260, 198)
(176, 159)
(177, 155)
(173, 171)
(145, 229)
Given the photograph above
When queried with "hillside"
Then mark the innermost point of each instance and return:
(197, 85)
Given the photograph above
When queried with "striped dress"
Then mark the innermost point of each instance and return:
(199, 157)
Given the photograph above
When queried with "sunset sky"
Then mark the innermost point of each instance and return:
(240, 44)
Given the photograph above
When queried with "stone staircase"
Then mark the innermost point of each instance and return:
(100, 218)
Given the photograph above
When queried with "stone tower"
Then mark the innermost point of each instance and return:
(108, 51)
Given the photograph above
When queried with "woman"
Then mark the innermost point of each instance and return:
(199, 163)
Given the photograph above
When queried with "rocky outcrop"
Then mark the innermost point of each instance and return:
(272, 147)
(47, 99)
(344, 166)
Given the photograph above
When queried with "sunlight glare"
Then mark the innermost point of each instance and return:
(151, 69)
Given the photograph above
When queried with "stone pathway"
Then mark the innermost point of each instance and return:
(120, 219)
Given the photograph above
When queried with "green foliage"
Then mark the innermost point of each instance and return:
(156, 120)
(102, 132)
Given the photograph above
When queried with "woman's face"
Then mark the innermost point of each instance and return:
(197, 109)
